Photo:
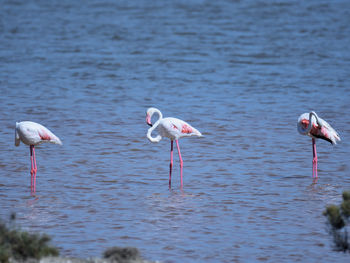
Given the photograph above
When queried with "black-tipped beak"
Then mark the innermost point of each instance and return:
(148, 120)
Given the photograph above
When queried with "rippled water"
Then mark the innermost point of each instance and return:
(241, 72)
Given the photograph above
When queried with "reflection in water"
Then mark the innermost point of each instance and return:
(32, 202)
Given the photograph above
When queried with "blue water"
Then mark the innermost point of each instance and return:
(241, 72)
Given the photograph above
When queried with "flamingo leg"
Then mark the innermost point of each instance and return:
(171, 162)
(314, 159)
(35, 169)
(181, 162)
(31, 168)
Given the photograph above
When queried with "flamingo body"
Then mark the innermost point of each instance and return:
(172, 128)
(32, 134)
(175, 129)
(315, 127)
(319, 129)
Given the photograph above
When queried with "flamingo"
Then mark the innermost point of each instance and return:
(172, 128)
(32, 134)
(315, 127)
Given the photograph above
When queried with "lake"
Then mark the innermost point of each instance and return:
(241, 72)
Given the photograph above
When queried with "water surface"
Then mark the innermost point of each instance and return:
(241, 72)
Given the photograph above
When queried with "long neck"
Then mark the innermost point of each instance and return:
(17, 138)
(154, 126)
(312, 113)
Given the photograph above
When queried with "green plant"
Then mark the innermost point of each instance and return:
(338, 220)
(121, 255)
(22, 245)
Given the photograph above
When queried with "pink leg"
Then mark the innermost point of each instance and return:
(35, 169)
(314, 159)
(171, 162)
(181, 162)
(31, 168)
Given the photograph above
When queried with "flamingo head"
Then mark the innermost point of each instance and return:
(148, 120)
(304, 123)
(150, 113)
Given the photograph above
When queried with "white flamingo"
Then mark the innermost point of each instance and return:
(315, 127)
(172, 128)
(32, 134)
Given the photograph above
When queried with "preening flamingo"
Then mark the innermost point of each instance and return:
(32, 134)
(315, 127)
(172, 128)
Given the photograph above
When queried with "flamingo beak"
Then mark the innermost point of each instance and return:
(148, 120)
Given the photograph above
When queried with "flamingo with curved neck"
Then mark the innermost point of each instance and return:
(315, 127)
(172, 128)
(153, 126)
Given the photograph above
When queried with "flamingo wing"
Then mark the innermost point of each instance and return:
(174, 128)
(32, 133)
(325, 131)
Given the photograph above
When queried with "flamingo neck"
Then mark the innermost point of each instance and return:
(17, 138)
(311, 122)
(154, 126)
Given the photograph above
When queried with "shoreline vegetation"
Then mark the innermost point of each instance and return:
(339, 223)
(20, 246)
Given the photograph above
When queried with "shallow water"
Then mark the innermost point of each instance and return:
(241, 72)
